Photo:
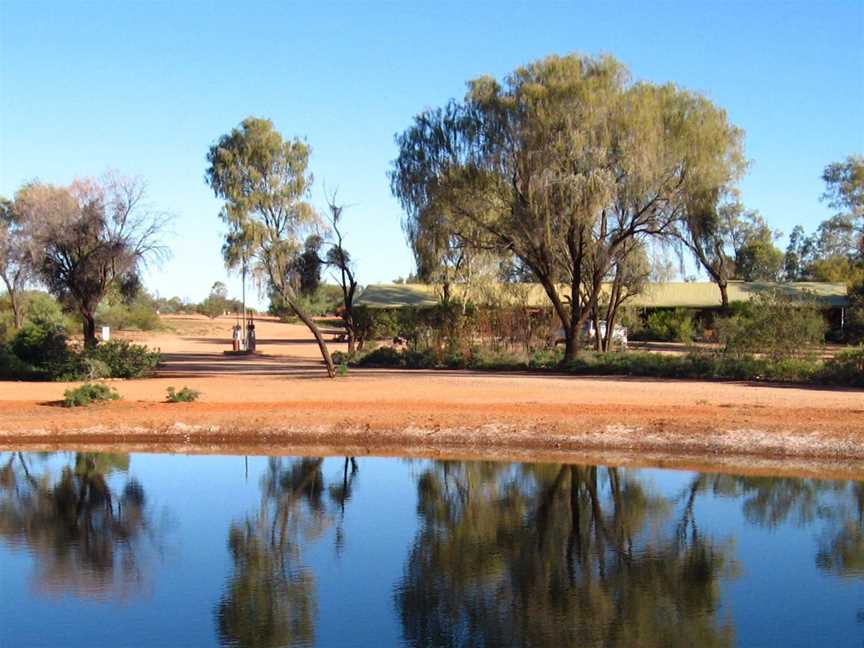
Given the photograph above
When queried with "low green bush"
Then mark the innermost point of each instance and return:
(675, 325)
(125, 359)
(545, 359)
(774, 325)
(139, 316)
(43, 346)
(13, 368)
(183, 395)
(382, 357)
(846, 368)
(87, 394)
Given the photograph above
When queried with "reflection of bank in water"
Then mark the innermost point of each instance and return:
(88, 538)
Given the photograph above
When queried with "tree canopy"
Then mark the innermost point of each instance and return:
(559, 167)
(265, 182)
(88, 236)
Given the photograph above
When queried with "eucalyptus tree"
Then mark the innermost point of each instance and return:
(559, 167)
(16, 269)
(89, 236)
(844, 187)
(265, 181)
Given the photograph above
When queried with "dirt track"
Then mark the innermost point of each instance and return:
(282, 399)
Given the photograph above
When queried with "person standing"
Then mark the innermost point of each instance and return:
(236, 337)
(250, 336)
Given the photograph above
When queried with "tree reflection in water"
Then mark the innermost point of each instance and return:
(769, 502)
(271, 599)
(83, 536)
(558, 555)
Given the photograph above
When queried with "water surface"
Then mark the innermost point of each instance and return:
(161, 550)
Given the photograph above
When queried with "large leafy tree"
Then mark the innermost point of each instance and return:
(756, 256)
(89, 236)
(265, 181)
(15, 263)
(559, 167)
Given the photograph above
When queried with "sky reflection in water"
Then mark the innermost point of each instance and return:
(138, 550)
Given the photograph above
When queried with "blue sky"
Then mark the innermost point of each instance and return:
(146, 87)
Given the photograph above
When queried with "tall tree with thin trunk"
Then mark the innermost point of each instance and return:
(89, 235)
(16, 268)
(264, 181)
(339, 259)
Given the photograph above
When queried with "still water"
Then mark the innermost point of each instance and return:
(161, 550)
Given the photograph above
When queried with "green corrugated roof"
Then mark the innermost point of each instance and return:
(685, 294)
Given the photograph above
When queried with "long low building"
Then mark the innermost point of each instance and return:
(676, 294)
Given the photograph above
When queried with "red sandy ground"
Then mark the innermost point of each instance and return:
(282, 399)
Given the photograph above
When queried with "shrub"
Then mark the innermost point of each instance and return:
(774, 325)
(545, 359)
(846, 368)
(42, 309)
(13, 368)
(81, 366)
(373, 323)
(185, 395)
(675, 325)
(342, 369)
(126, 360)
(382, 357)
(87, 394)
(44, 346)
(139, 316)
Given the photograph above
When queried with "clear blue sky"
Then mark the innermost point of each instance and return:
(146, 87)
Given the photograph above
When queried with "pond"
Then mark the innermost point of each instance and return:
(172, 550)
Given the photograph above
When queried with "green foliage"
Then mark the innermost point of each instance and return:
(674, 325)
(759, 260)
(772, 324)
(374, 323)
(184, 395)
(44, 346)
(13, 368)
(138, 316)
(546, 359)
(90, 237)
(87, 394)
(463, 170)
(846, 368)
(42, 351)
(325, 300)
(82, 366)
(382, 357)
(342, 369)
(41, 308)
(125, 359)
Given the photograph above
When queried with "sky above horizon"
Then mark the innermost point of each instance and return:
(145, 88)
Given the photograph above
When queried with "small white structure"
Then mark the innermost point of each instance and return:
(106, 333)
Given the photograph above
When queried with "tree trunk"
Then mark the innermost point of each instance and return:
(16, 309)
(89, 325)
(17, 315)
(569, 347)
(319, 338)
(724, 294)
